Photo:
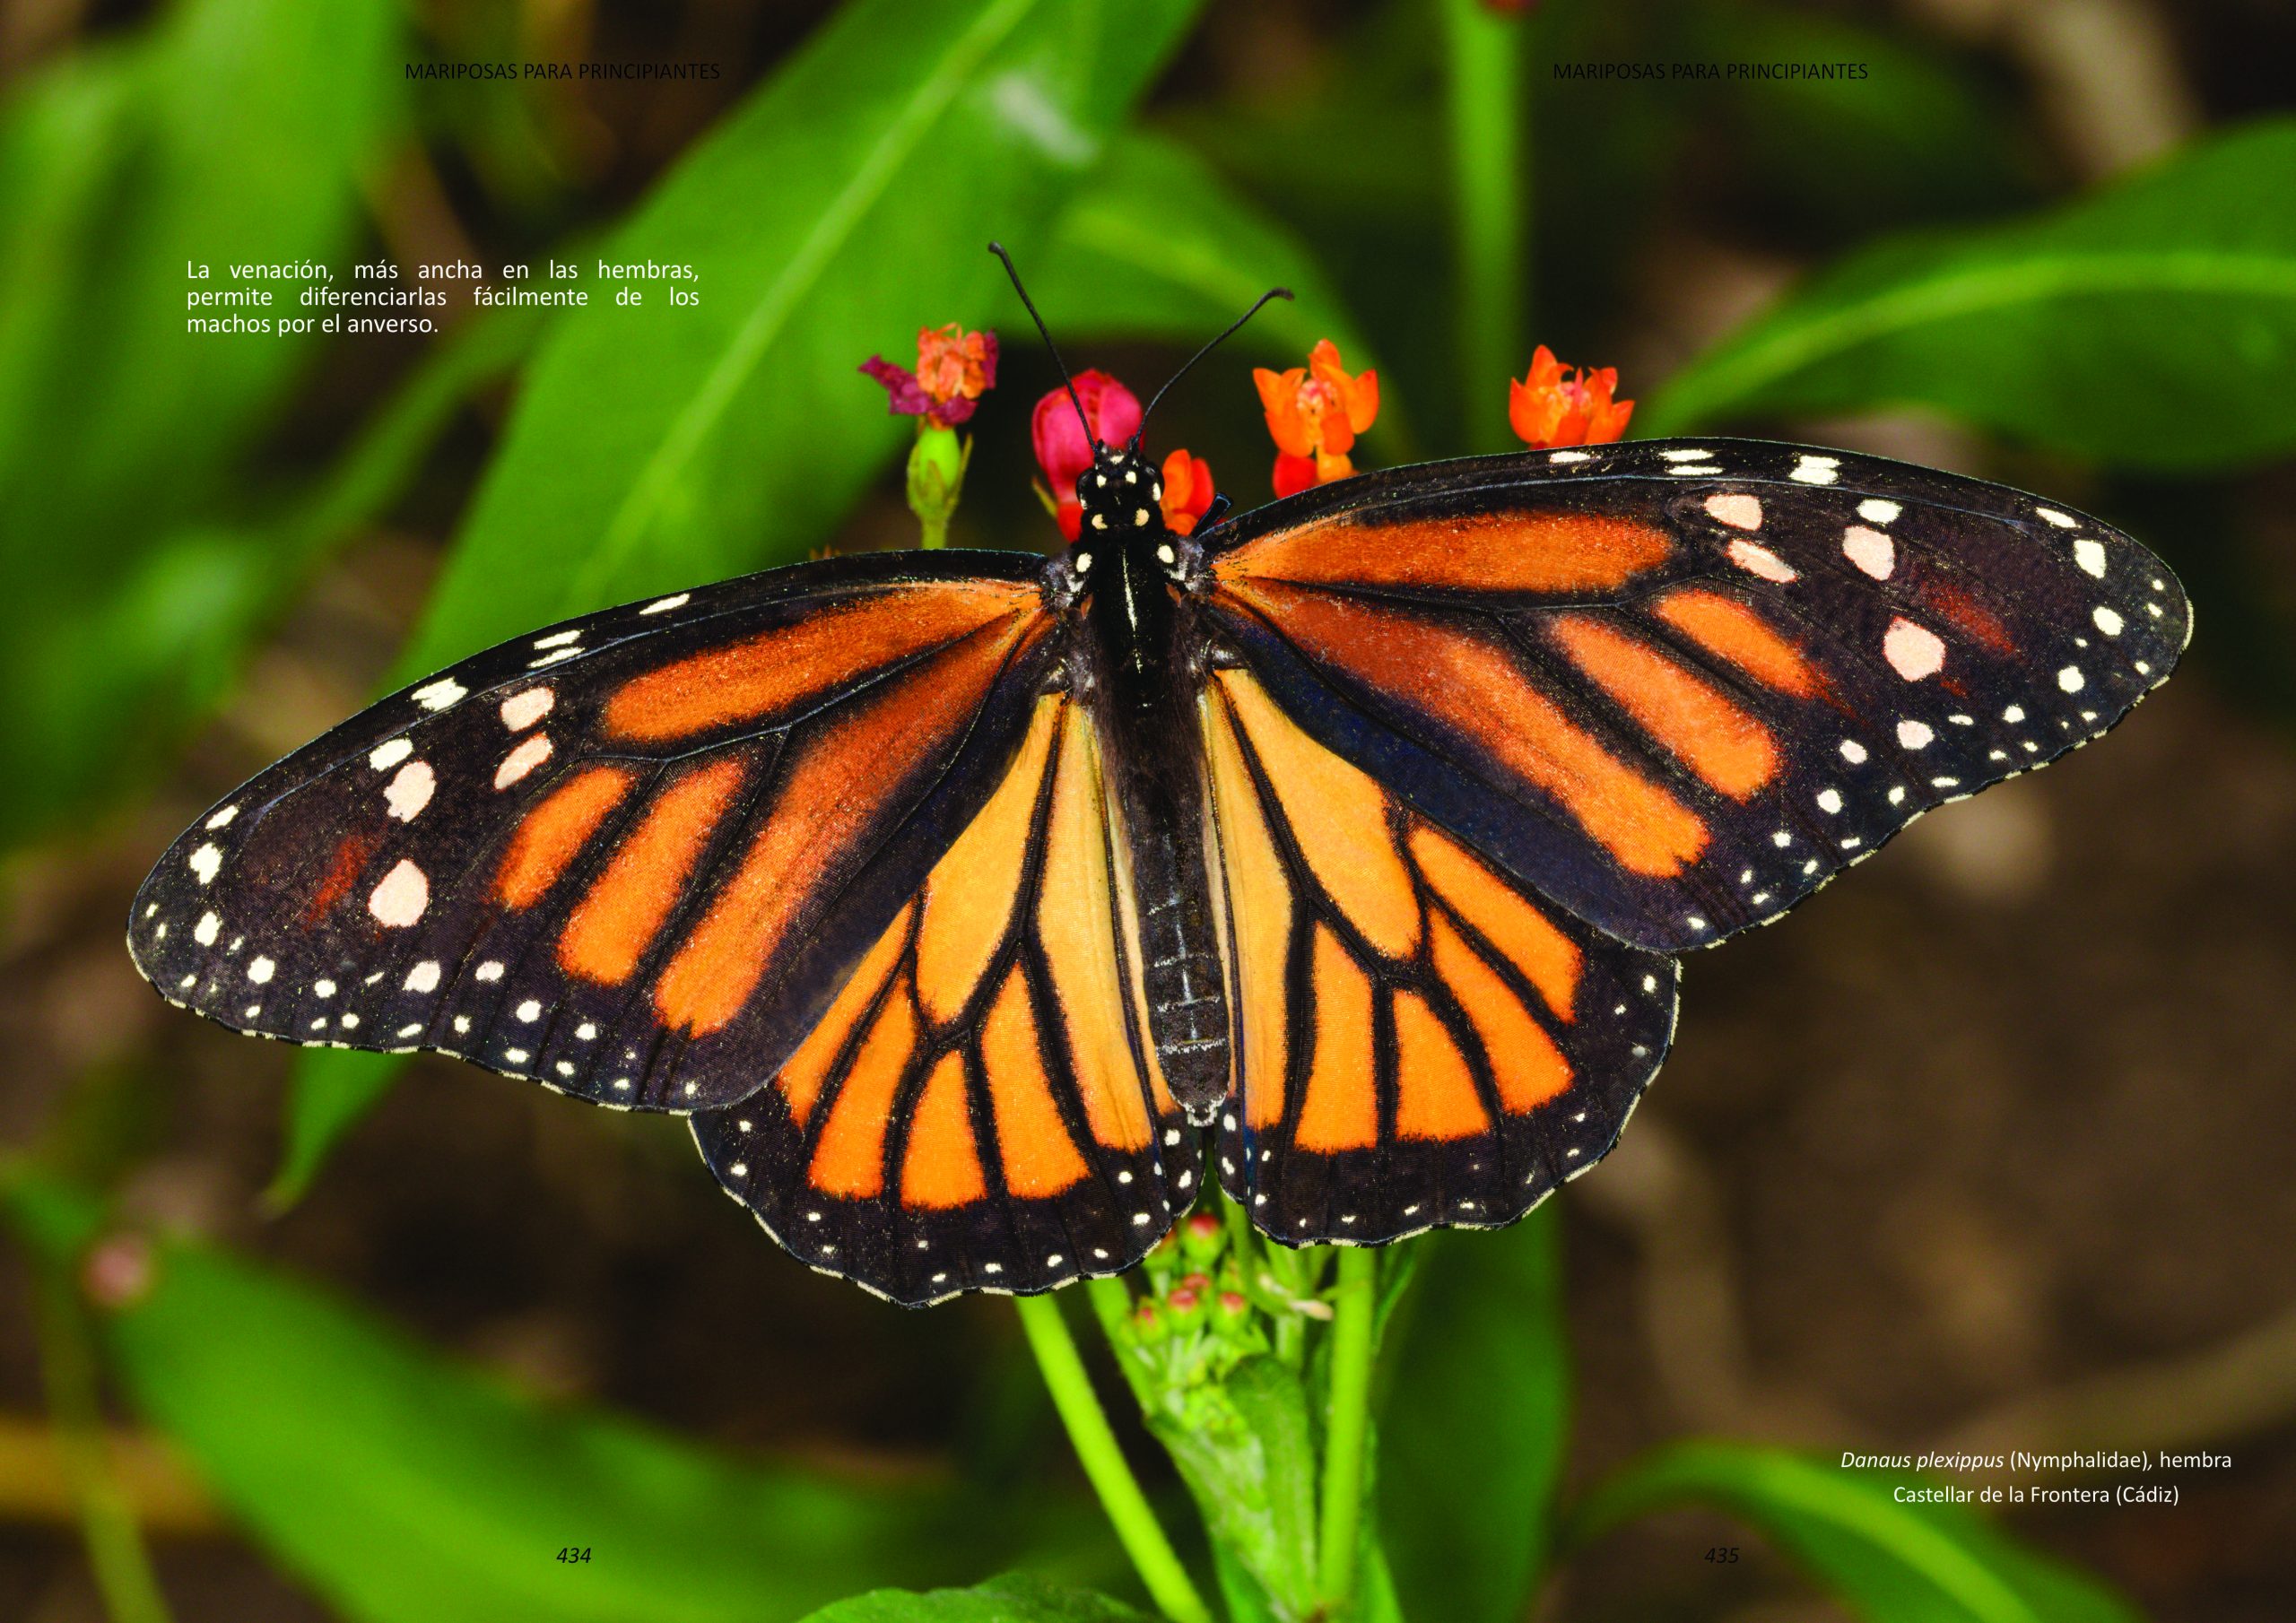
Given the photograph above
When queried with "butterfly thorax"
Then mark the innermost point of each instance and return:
(1128, 564)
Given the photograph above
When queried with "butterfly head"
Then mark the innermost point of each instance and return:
(1122, 494)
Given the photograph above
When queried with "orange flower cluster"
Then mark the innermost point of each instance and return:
(1314, 413)
(1561, 406)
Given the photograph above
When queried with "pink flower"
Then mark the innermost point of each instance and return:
(954, 369)
(1062, 450)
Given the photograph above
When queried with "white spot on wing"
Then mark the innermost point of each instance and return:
(1913, 651)
(410, 791)
(521, 709)
(2108, 620)
(1853, 751)
(1878, 511)
(1915, 734)
(2071, 680)
(223, 820)
(439, 694)
(1829, 801)
(388, 754)
(1762, 561)
(1815, 470)
(2091, 556)
(558, 639)
(1737, 510)
(261, 969)
(491, 971)
(206, 862)
(402, 896)
(522, 761)
(2063, 521)
(1871, 550)
(206, 930)
(662, 605)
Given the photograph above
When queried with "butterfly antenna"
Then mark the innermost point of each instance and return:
(1075, 399)
(1215, 343)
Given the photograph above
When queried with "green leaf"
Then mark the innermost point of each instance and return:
(2152, 325)
(1158, 245)
(235, 129)
(1890, 1561)
(846, 203)
(404, 1487)
(1917, 139)
(1477, 1419)
(1015, 1599)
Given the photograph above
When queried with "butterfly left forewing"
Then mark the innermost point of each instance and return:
(628, 857)
(978, 1110)
(1418, 1040)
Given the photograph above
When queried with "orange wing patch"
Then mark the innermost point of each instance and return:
(1259, 906)
(763, 677)
(1548, 958)
(1485, 551)
(826, 796)
(1732, 751)
(942, 1165)
(551, 834)
(1338, 816)
(801, 1078)
(850, 1157)
(1470, 684)
(969, 899)
(1435, 1093)
(1073, 908)
(1342, 1107)
(1735, 634)
(618, 920)
(1039, 1157)
(1527, 1065)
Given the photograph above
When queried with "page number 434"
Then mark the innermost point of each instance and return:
(575, 1555)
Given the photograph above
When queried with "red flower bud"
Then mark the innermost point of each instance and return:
(1063, 451)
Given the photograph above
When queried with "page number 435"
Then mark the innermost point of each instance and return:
(1721, 1555)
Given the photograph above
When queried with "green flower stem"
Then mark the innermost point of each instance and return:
(1491, 197)
(1355, 1303)
(116, 1552)
(1143, 1536)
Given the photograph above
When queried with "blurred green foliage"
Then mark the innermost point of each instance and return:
(140, 551)
(1887, 1560)
(407, 1489)
(150, 538)
(2152, 326)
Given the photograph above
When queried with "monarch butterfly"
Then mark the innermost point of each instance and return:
(963, 900)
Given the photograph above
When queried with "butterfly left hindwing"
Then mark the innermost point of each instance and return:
(979, 1110)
